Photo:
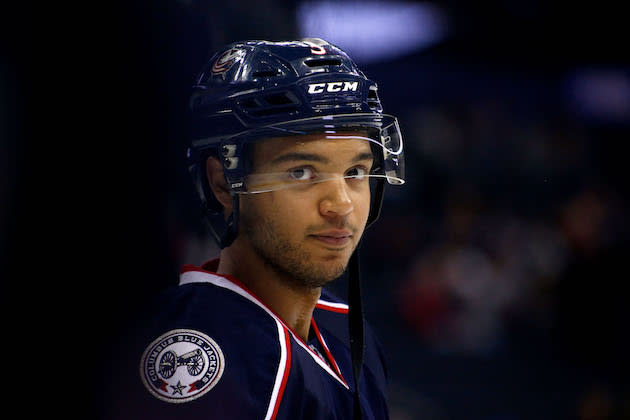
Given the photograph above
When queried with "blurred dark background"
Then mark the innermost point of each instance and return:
(495, 276)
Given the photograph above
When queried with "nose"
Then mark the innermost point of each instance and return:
(336, 201)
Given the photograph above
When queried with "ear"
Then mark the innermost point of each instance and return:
(217, 183)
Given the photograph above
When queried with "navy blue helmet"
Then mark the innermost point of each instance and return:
(252, 90)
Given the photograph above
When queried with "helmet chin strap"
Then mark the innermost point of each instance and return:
(355, 319)
(232, 224)
(377, 202)
(355, 314)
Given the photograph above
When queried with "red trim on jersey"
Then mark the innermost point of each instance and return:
(214, 264)
(285, 377)
(211, 264)
(210, 267)
(332, 360)
(331, 308)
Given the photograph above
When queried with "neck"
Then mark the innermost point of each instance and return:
(293, 304)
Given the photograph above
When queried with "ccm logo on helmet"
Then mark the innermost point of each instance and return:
(314, 88)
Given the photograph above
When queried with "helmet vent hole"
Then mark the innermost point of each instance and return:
(278, 99)
(249, 103)
(323, 62)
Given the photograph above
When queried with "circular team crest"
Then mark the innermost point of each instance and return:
(226, 60)
(181, 365)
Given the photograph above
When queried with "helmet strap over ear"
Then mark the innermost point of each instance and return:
(224, 231)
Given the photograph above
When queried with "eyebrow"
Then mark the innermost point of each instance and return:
(297, 156)
(363, 156)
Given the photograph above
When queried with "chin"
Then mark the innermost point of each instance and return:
(332, 258)
(334, 268)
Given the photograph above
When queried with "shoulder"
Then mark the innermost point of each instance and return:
(211, 301)
(207, 345)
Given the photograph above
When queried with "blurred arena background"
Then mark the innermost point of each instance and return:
(495, 276)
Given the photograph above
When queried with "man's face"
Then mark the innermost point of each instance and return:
(308, 233)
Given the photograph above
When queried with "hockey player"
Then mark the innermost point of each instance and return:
(290, 153)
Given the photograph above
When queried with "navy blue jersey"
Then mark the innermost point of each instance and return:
(216, 351)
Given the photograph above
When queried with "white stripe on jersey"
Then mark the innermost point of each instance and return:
(333, 304)
(217, 280)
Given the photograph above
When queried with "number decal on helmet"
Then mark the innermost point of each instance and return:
(316, 49)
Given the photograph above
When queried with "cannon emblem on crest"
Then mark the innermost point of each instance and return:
(170, 361)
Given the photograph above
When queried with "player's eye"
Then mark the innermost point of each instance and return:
(357, 172)
(301, 174)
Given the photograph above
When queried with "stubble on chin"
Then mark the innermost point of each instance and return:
(290, 260)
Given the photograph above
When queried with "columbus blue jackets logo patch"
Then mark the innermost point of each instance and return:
(181, 365)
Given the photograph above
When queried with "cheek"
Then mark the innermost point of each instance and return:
(361, 201)
(285, 211)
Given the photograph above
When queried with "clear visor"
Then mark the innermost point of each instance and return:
(352, 148)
